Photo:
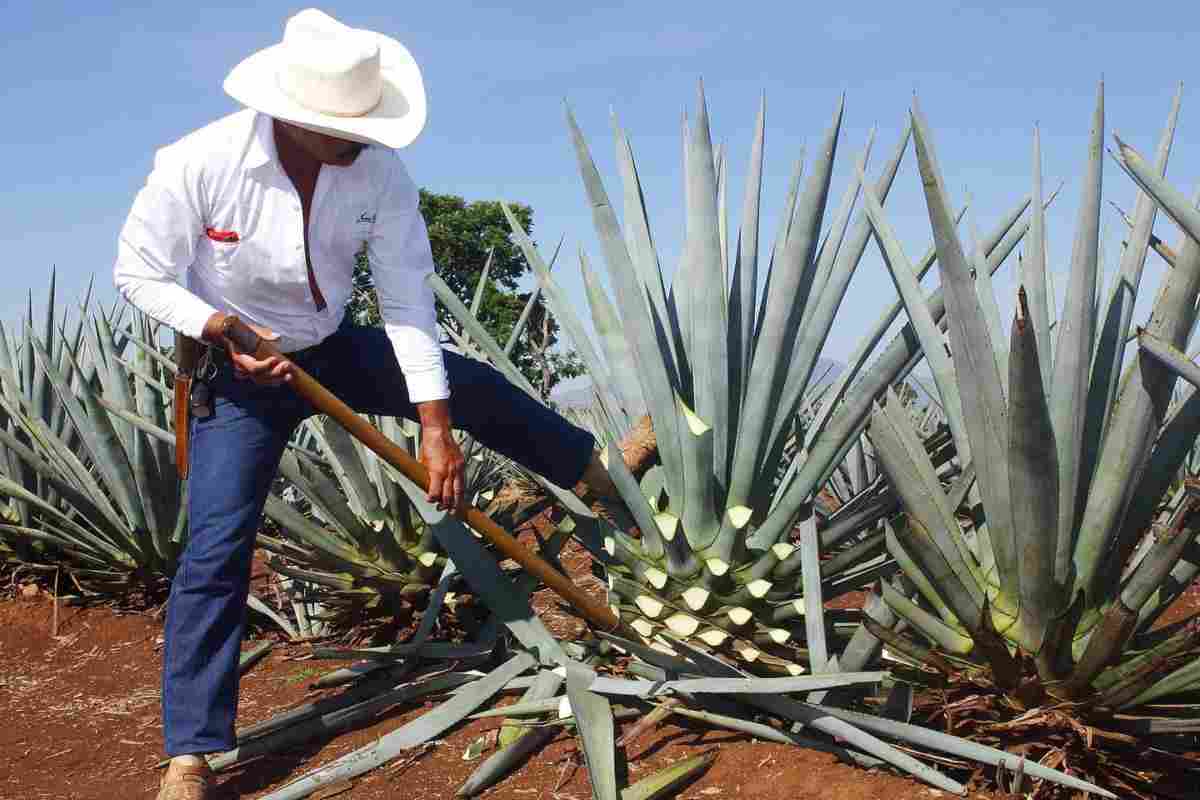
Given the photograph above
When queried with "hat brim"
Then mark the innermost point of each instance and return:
(395, 122)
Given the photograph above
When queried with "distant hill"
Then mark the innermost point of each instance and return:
(577, 392)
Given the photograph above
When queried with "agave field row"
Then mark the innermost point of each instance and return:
(1014, 533)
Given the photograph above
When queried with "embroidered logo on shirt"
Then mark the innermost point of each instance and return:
(367, 219)
(222, 236)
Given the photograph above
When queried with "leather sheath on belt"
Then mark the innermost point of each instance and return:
(187, 355)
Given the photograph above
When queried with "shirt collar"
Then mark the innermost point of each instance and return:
(262, 143)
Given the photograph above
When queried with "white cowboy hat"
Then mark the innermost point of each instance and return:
(333, 79)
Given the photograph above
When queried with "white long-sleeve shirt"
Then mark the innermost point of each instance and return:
(218, 226)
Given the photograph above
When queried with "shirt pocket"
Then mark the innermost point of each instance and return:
(223, 244)
(224, 250)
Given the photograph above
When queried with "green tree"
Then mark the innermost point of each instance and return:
(461, 235)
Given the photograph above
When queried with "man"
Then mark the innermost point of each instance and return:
(260, 214)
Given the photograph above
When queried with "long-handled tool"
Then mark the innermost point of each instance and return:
(325, 401)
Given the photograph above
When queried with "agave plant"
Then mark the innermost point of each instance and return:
(725, 373)
(1047, 585)
(351, 534)
(87, 464)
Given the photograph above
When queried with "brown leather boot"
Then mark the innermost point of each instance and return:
(187, 782)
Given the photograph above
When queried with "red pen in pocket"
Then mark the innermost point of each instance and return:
(222, 236)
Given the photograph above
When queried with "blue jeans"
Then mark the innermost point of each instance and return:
(235, 453)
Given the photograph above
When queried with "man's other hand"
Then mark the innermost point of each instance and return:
(442, 457)
(271, 371)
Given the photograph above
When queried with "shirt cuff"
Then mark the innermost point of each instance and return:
(425, 386)
(192, 317)
(421, 360)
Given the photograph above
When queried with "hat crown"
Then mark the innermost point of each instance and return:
(329, 67)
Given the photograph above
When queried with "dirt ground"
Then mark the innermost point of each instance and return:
(82, 709)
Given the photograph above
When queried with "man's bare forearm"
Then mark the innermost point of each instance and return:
(434, 416)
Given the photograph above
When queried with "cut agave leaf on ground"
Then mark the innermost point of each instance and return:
(506, 759)
(963, 748)
(523, 708)
(595, 717)
(410, 735)
(298, 731)
(381, 681)
(815, 717)
(770, 734)
(666, 782)
(734, 686)
(516, 744)
(547, 684)
(252, 656)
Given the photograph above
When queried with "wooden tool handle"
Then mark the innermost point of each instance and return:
(244, 338)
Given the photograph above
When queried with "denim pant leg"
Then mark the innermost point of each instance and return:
(359, 366)
(234, 456)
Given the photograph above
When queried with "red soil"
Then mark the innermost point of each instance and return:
(84, 724)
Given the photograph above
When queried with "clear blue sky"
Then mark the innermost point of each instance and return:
(90, 92)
